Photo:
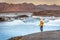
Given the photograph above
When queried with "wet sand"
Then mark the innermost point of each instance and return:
(47, 35)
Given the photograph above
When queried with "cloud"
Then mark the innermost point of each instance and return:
(2, 0)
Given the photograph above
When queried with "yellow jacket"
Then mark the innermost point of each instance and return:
(41, 23)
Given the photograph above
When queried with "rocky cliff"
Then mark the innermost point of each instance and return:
(26, 7)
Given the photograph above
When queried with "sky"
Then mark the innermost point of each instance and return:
(36, 2)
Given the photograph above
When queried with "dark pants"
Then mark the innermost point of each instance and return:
(41, 28)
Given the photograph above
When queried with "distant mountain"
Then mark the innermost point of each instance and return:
(26, 7)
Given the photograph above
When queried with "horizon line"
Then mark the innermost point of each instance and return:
(29, 3)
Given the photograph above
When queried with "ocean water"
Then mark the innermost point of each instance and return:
(28, 26)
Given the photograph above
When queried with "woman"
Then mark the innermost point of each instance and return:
(41, 25)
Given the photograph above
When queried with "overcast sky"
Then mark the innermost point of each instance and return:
(33, 1)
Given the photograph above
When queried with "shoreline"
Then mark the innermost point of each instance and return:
(46, 35)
